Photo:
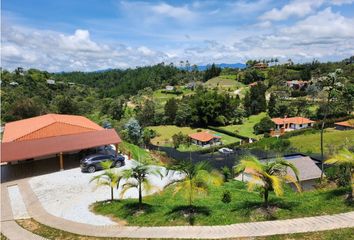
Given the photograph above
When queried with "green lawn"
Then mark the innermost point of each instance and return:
(168, 209)
(333, 139)
(225, 82)
(163, 97)
(342, 234)
(246, 129)
(165, 133)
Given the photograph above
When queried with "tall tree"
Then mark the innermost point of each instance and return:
(272, 105)
(117, 108)
(331, 85)
(171, 110)
(133, 130)
(146, 113)
(212, 71)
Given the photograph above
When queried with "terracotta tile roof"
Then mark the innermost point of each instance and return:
(346, 124)
(54, 145)
(294, 120)
(203, 136)
(48, 125)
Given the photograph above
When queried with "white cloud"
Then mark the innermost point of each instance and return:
(80, 41)
(296, 8)
(172, 11)
(324, 25)
(341, 2)
(54, 51)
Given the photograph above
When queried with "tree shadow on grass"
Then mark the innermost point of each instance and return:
(340, 192)
(258, 209)
(188, 212)
(134, 209)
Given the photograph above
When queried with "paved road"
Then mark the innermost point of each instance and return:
(309, 224)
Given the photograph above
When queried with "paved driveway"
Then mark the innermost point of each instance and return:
(69, 194)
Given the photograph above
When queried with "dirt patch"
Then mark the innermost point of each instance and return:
(162, 157)
(29, 224)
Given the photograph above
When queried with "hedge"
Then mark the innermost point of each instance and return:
(176, 92)
(232, 134)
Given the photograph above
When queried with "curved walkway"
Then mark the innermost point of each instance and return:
(298, 225)
(8, 225)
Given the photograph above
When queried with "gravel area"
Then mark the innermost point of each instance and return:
(68, 194)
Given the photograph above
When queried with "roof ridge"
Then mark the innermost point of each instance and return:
(76, 125)
(33, 131)
(52, 124)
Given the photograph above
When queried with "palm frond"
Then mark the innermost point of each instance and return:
(290, 178)
(343, 157)
(276, 184)
(128, 185)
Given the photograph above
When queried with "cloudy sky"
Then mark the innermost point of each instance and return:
(90, 35)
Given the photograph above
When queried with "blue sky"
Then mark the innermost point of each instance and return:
(90, 35)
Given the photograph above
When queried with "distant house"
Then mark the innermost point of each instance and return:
(309, 172)
(170, 88)
(50, 81)
(293, 123)
(190, 85)
(205, 139)
(14, 83)
(260, 65)
(346, 125)
(296, 84)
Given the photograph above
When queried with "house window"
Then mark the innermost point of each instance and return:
(300, 125)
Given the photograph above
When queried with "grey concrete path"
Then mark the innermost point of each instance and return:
(8, 225)
(309, 224)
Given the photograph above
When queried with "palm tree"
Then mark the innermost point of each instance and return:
(271, 176)
(137, 177)
(197, 179)
(345, 158)
(110, 177)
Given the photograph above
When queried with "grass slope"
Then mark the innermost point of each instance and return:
(246, 129)
(165, 133)
(333, 139)
(163, 97)
(167, 209)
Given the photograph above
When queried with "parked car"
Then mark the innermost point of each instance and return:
(92, 162)
(107, 149)
(226, 150)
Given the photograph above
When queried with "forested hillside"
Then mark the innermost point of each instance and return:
(118, 95)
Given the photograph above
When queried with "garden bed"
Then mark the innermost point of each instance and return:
(169, 209)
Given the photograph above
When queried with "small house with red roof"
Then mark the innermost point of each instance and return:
(205, 139)
(345, 125)
(292, 123)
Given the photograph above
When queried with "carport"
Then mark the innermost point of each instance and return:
(52, 135)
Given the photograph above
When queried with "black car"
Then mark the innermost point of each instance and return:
(92, 163)
(107, 150)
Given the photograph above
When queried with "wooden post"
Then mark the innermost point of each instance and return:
(61, 159)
